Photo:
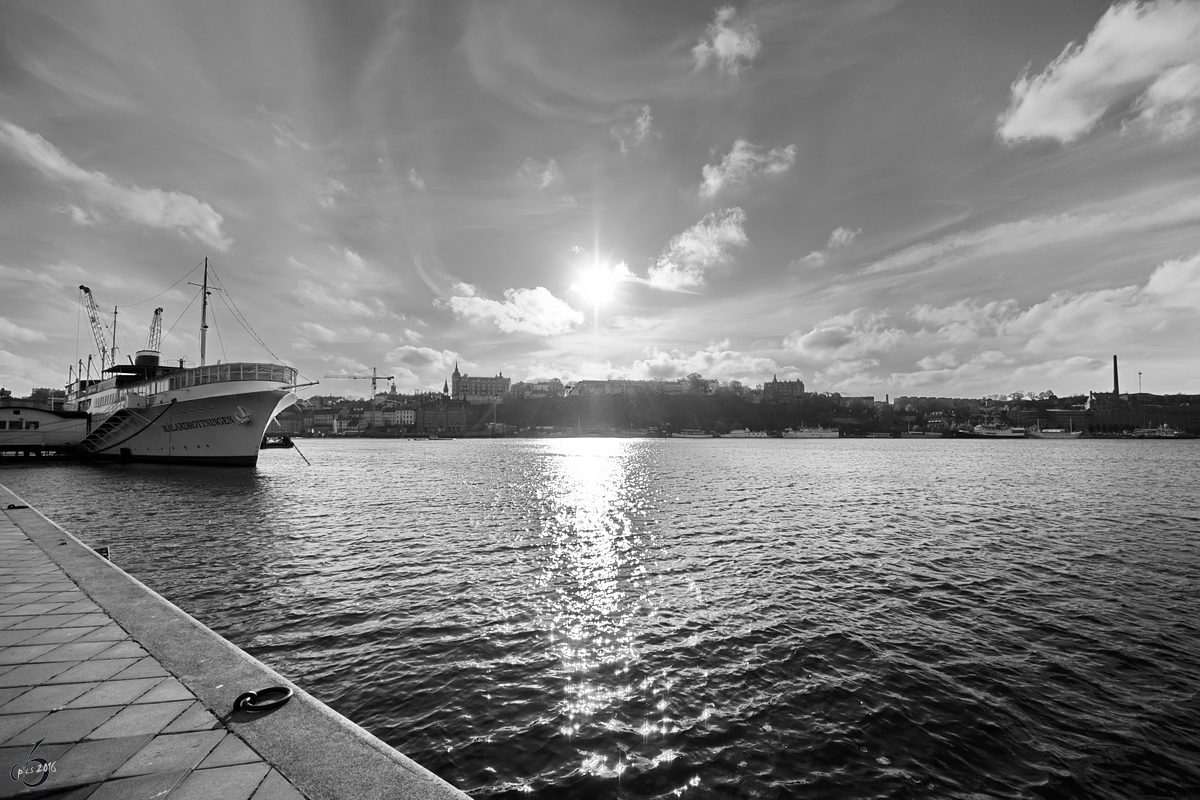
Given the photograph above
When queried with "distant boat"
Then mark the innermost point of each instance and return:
(1052, 433)
(992, 430)
(691, 433)
(746, 433)
(810, 433)
(1163, 431)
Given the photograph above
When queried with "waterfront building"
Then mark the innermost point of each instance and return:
(478, 390)
(778, 391)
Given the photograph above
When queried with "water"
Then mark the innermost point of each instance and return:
(667, 618)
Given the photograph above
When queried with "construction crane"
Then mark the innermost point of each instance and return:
(154, 342)
(374, 378)
(100, 330)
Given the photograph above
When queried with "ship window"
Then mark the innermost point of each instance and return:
(31, 424)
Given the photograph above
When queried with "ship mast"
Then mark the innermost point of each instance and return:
(204, 312)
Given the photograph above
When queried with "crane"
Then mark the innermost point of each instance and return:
(100, 330)
(155, 339)
(374, 378)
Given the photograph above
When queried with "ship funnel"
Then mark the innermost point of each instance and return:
(146, 358)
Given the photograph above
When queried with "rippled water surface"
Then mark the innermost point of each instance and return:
(662, 618)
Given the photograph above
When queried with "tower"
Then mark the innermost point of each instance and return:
(1116, 384)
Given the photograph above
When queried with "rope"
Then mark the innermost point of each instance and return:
(169, 288)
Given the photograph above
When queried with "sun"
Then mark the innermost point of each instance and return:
(598, 283)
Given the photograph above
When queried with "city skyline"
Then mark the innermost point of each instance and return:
(873, 197)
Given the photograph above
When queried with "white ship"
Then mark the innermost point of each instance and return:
(691, 433)
(810, 433)
(746, 433)
(211, 414)
(992, 430)
(1053, 433)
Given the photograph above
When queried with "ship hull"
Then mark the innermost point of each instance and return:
(201, 425)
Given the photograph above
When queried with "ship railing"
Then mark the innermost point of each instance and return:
(237, 371)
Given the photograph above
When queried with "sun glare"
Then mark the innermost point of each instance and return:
(598, 283)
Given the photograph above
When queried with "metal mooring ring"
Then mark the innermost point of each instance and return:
(263, 700)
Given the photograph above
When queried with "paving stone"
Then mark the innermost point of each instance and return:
(195, 718)
(47, 697)
(10, 637)
(66, 725)
(41, 621)
(78, 793)
(147, 667)
(80, 607)
(147, 719)
(34, 609)
(11, 726)
(90, 620)
(276, 787)
(116, 693)
(171, 752)
(14, 588)
(56, 636)
(14, 757)
(99, 670)
(130, 649)
(232, 750)
(143, 787)
(93, 761)
(106, 633)
(170, 689)
(77, 651)
(24, 654)
(69, 596)
(228, 783)
(8, 693)
(33, 674)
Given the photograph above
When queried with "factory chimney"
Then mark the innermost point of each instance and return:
(1116, 384)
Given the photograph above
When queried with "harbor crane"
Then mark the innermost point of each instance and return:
(100, 330)
(154, 342)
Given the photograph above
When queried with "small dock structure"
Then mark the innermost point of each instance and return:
(108, 690)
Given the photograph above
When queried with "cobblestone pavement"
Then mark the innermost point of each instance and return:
(85, 712)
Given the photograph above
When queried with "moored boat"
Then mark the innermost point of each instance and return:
(810, 433)
(150, 412)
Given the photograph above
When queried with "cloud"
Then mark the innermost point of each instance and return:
(637, 132)
(841, 237)
(80, 216)
(743, 162)
(416, 180)
(1152, 48)
(1172, 103)
(319, 296)
(329, 192)
(717, 361)
(704, 245)
(1035, 233)
(978, 344)
(14, 332)
(535, 311)
(151, 207)
(731, 43)
(537, 175)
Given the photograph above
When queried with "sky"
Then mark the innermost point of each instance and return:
(873, 196)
